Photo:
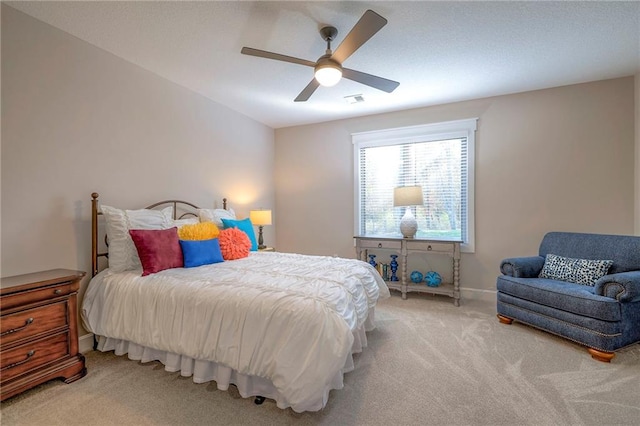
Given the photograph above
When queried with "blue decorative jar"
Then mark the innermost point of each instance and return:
(432, 279)
(416, 277)
(372, 260)
(394, 267)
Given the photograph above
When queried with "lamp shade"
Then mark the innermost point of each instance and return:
(407, 196)
(260, 217)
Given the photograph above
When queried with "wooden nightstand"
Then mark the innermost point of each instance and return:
(267, 249)
(39, 330)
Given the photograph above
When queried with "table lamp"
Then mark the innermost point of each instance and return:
(260, 218)
(408, 196)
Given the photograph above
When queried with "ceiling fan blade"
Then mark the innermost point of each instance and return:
(370, 80)
(276, 56)
(307, 91)
(365, 28)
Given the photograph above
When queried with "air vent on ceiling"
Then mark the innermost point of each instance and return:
(354, 99)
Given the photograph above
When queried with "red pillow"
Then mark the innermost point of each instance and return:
(234, 244)
(158, 249)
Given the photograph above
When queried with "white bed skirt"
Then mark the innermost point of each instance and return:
(248, 386)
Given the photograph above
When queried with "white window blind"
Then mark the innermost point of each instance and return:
(437, 157)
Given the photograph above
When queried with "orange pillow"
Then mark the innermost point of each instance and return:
(234, 244)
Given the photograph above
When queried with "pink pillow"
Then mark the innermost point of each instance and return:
(158, 249)
(234, 244)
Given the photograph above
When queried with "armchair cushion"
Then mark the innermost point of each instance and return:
(575, 298)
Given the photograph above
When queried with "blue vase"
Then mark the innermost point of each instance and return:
(432, 279)
(394, 267)
(372, 260)
(416, 277)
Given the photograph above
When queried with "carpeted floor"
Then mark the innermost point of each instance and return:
(428, 363)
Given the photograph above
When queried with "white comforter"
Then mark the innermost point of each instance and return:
(288, 318)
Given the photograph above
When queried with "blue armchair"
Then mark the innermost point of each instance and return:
(602, 314)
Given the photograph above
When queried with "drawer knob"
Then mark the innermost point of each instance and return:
(57, 291)
(429, 247)
(13, 330)
(15, 364)
(379, 245)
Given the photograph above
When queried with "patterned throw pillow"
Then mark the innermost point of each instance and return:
(578, 271)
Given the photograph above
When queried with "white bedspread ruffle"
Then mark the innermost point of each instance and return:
(248, 386)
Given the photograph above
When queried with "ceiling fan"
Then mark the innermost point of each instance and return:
(328, 69)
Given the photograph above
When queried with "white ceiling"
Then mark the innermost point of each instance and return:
(440, 52)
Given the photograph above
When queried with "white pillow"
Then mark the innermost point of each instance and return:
(123, 255)
(216, 216)
(187, 221)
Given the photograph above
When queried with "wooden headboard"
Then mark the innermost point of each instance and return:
(181, 210)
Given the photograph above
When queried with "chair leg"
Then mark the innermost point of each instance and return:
(504, 320)
(600, 355)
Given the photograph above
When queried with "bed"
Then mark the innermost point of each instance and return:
(282, 326)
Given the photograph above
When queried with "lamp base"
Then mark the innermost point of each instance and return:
(408, 224)
(261, 244)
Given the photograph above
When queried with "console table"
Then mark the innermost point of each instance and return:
(404, 247)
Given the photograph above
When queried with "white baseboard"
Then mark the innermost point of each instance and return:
(85, 343)
(478, 294)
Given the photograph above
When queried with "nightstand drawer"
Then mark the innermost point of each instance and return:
(429, 246)
(33, 355)
(32, 322)
(381, 244)
(31, 296)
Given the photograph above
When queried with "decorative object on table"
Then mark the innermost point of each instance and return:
(385, 271)
(394, 267)
(260, 218)
(416, 277)
(408, 196)
(379, 268)
(372, 260)
(432, 279)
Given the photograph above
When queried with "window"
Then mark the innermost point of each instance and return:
(439, 158)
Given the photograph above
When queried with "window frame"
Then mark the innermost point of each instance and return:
(423, 133)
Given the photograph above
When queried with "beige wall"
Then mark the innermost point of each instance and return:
(76, 119)
(556, 159)
(637, 187)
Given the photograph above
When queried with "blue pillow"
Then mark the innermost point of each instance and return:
(203, 252)
(245, 226)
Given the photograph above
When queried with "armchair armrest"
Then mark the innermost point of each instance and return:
(522, 267)
(624, 286)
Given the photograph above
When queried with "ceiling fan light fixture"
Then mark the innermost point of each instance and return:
(328, 69)
(328, 73)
